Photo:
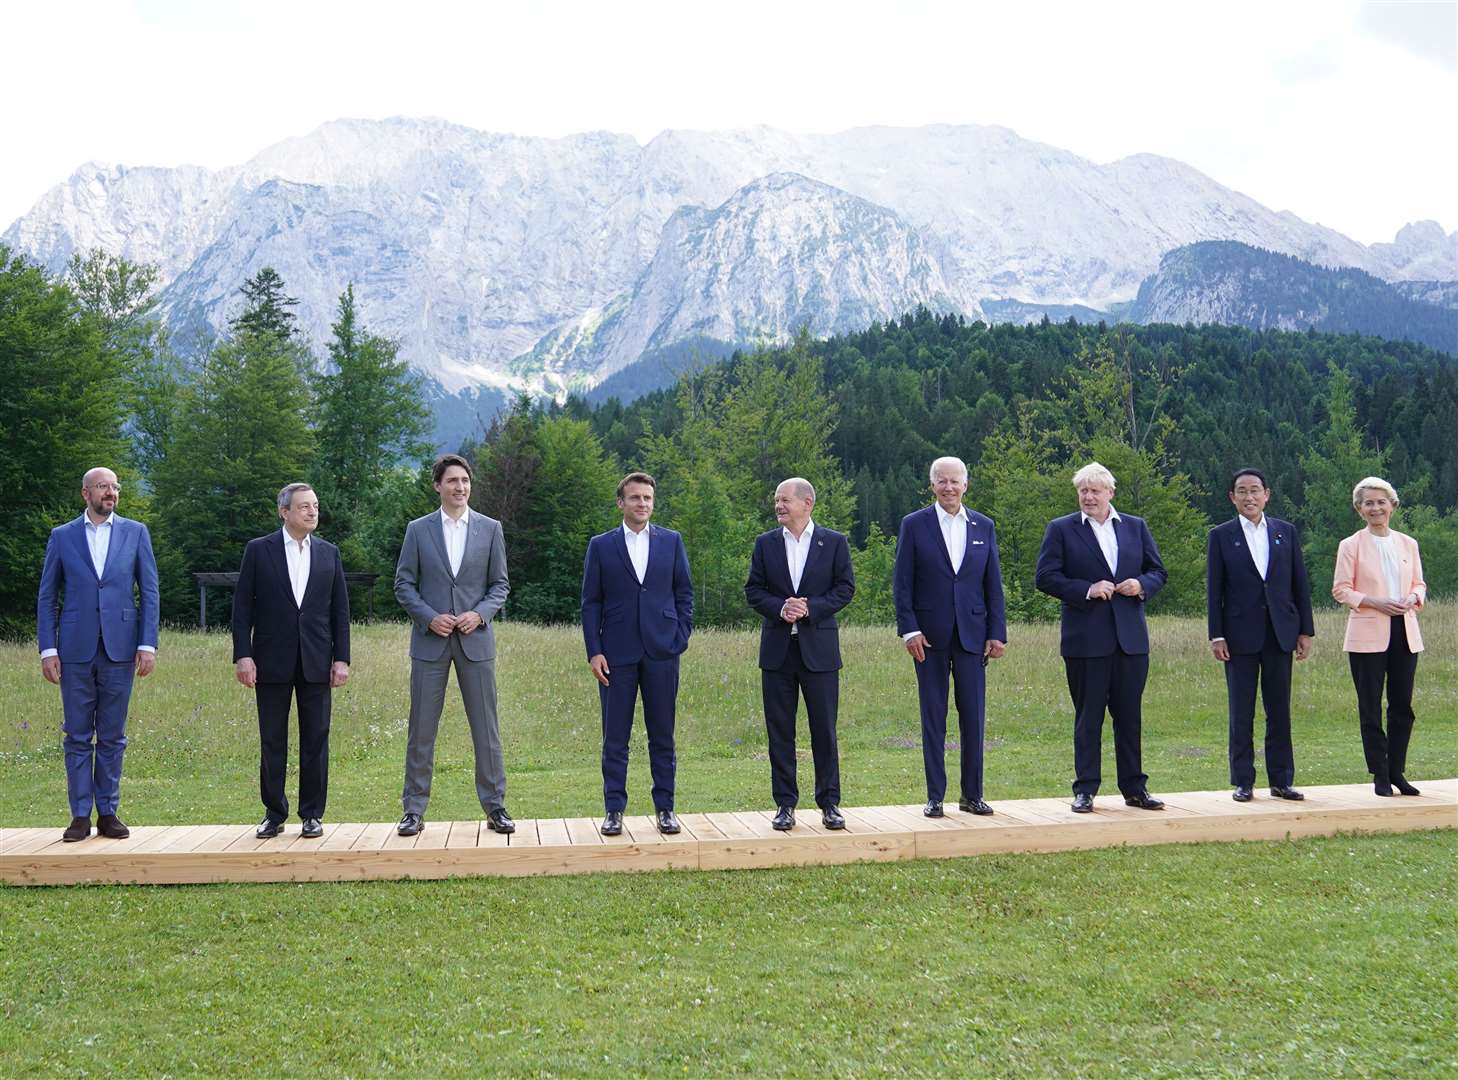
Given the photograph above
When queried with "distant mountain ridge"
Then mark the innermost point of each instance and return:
(1235, 284)
(503, 262)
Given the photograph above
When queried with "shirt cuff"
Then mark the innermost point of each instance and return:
(46, 654)
(147, 648)
(1213, 640)
(908, 637)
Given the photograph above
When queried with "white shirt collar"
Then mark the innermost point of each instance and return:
(1245, 523)
(944, 517)
(307, 541)
(805, 534)
(1113, 516)
(630, 535)
(86, 517)
(454, 523)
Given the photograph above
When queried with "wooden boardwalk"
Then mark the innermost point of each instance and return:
(184, 854)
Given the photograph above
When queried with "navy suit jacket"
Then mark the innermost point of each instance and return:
(1238, 601)
(827, 583)
(275, 631)
(98, 609)
(626, 621)
(1071, 560)
(930, 598)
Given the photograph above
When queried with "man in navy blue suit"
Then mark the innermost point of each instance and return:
(93, 640)
(947, 585)
(637, 615)
(1103, 566)
(291, 642)
(799, 577)
(1259, 603)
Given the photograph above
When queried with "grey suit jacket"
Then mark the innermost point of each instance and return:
(426, 588)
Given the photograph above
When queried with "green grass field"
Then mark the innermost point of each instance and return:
(1323, 957)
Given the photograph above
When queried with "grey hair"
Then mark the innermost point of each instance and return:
(941, 461)
(287, 492)
(1376, 483)
(802, 488)
(1094, 475)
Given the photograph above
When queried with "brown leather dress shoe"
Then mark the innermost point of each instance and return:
(111, 827)
(79, 829)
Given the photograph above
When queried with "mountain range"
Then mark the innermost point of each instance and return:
(503, 262)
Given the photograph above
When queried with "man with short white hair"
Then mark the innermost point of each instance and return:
(96, 618)
(1103, 566)
(950, 614)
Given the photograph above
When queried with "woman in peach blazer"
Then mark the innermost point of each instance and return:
(1379, 577)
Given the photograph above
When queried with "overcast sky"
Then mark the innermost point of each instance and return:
(1341, 111)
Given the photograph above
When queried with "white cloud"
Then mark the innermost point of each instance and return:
(1303, 106)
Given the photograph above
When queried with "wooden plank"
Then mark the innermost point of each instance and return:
(700, 827)
(730, 825)
(373, 837)
(343, 837)
(432, 837)
(643, 829)
(395, 842)
(224, 838)
(462, 834)
(581, 830)
(526, 834)
(204, 853)
(487, 837)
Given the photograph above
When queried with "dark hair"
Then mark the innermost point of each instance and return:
(636, 478)
(1238, 473)
(445, 461)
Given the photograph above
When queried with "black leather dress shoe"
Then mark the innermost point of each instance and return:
(784, 819)
(932, 809)
(1143, 800)
(1083, 803)
(667, 823)
(111, 827)
(974, 806)
(79, 829)
(1242, 794)
(1287, 792)
(832, 818)
(612, 823)
(268, 828)
(411, 825)
(1383, 788)
(1401, 784)
(313, 828)
(499, 820)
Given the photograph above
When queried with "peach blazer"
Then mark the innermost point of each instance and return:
(1359, 575)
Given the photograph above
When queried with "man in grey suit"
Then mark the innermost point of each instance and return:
(451, 579)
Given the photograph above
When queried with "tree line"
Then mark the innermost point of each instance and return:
(88, 375)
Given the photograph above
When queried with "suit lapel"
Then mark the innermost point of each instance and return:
(317, 571)
(1128, 561)
(619, 543)
(939, 538)
(1277, 541)
(817, 546)
(83, 547)
(281, 565)
(656, 551)
(437, 539)
(112, 544)
(1086, 534)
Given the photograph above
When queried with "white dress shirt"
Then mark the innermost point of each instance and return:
(298, 555)
(98, 539)
(1391, 565)
(454, 531)
(954, 534)
(796, 552)
(1107, 538)
(637, 550)
(1258, 541)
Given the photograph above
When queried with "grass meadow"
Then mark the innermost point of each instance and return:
(1327, 957)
